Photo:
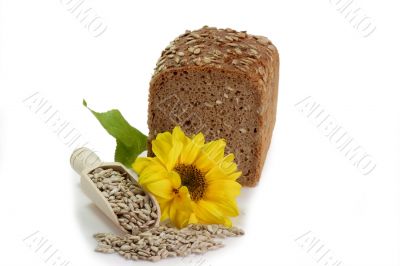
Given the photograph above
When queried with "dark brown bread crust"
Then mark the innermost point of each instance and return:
(209, 50)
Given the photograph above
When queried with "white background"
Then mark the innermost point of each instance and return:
(307, 186)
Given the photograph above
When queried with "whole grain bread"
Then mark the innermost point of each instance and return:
(223, 83)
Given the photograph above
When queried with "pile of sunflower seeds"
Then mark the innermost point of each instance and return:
(165, 241)
(133, 207)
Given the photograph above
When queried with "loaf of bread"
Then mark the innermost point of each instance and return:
(223, 83)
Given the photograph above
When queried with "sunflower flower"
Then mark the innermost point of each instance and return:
(192, 180)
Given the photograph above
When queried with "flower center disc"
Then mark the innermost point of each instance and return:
(193, 179)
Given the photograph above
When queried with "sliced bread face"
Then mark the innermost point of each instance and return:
(222, 83)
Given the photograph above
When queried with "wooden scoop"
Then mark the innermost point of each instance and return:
(84, 161)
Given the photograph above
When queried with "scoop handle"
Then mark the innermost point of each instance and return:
(84, 159)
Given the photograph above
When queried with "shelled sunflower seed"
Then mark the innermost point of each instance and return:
(165, 241)
(133, 207)
(218, 48)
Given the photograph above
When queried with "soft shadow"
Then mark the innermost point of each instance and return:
(244, 200)
(91, 219)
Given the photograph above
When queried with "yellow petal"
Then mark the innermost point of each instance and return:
(180, 209)
(209, 213)
(164, 214)
(227, 222)
(167, 153)
(173, 155)
(235, 175)
(191, 150)
(175, 179)
(153, 168)
(226, 169)
(162, 188)
(227, 165)
(217, 173)
(165, 137)
(210, 155)
(223, 187)
(226, 205)
(161, 149)
(153, 172)
(184, 199)
(181, 219)
(193, 219)
(164, 207)
(179, 135)
(229, 158)
(172, 211)
(146, 179)
(215, 149)
(141, 163)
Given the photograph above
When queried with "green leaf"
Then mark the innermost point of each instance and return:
(130, 141)
(126, 155)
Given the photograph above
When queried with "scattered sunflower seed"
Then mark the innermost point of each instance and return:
(165, 241)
